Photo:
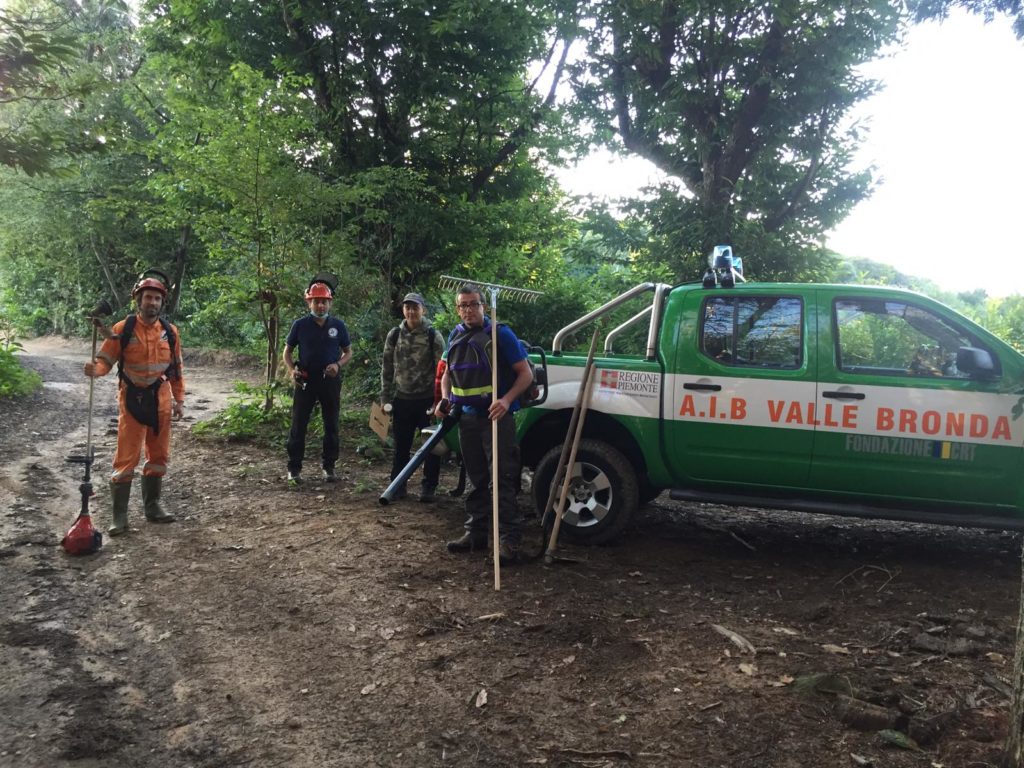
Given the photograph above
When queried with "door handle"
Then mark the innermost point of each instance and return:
(704, 387)
(844, 395)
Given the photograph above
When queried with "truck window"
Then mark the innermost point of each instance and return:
(753, 331)
(896, 338)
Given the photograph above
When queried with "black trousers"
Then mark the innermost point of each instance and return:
(407, 416)
(475, 439)
(326, 392)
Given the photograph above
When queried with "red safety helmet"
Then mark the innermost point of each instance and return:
(149, 282)
(319, 291)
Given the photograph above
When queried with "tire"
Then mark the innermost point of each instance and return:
(603, 492)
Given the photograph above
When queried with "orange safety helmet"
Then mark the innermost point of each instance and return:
(149, 282)
(319, 291)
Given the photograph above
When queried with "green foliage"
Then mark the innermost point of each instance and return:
(14, 379)
(742, 104)
(923, 10)
(246, 419)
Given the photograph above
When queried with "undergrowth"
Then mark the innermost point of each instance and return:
(15, 381)
(245, 419)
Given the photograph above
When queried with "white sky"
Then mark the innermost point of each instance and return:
(947, 139)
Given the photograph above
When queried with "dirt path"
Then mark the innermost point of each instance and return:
(310, 629)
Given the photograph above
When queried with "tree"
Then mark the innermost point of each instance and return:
(427, 98)
(743, 105)
(49, 52)
(924, 10)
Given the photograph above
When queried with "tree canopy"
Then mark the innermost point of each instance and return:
(244, 146)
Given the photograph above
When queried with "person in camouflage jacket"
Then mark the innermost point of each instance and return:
(411, 354)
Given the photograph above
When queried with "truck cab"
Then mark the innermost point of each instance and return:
(857, 400)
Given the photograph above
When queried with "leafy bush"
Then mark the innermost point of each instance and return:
(15, 381)
(246, 419)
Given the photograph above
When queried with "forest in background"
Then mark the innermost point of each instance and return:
(244, 147)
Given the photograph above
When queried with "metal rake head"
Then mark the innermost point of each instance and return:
(525, 295)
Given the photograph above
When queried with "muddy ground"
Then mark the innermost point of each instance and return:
(317, 628)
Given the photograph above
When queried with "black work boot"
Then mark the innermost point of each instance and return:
(427, 494)
(120, 493)
(151, 500)
(508, 553)
(468, 542)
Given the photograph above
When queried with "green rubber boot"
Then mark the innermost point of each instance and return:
(151, 500)
(119, 495)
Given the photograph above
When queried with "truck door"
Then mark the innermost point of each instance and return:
(901, 420)
(743, 388)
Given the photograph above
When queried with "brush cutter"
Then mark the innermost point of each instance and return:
(83, 538)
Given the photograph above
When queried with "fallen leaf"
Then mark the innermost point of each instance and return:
(738, 640)
(369, 688)
(835, 648)
(387, 633)
(481, 698)
(898, 739)
(748, 669)
(785, 631)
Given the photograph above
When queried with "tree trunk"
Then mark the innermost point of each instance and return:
(115, 294)
(271, 315)
(178, 272)
(1013, 757)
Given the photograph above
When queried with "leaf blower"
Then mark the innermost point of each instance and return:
(83, 538)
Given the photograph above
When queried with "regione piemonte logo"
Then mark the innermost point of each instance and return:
(634, 383)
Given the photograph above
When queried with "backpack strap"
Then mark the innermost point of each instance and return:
(128, 330)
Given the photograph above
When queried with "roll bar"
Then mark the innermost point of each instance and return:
(659, 290)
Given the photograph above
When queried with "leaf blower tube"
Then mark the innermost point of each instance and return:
(443, 429)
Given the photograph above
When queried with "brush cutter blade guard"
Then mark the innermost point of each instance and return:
(82, 538)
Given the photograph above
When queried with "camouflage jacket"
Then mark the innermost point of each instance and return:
(410, 362)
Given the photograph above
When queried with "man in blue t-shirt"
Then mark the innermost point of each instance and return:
(467, 382)
(324, 349)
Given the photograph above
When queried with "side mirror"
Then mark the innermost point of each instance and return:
(975, 362)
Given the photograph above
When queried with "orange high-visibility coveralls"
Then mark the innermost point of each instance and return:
(146, 358)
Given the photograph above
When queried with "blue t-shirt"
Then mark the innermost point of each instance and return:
(510, 352)
(319, 345)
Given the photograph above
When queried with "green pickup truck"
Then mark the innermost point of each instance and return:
(851, 400)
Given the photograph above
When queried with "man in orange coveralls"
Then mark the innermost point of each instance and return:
(149, 353)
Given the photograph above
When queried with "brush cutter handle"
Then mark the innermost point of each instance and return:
(92, 380)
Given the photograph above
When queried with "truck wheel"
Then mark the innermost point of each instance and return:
(602, 493)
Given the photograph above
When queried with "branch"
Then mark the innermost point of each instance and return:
(516, 138)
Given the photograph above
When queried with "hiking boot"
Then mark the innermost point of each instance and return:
(329, 476)
(120, 493)
(507, 553)
(151, 485)
(400, 493)
(468, 542)
(293, 479)
(427, 495)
